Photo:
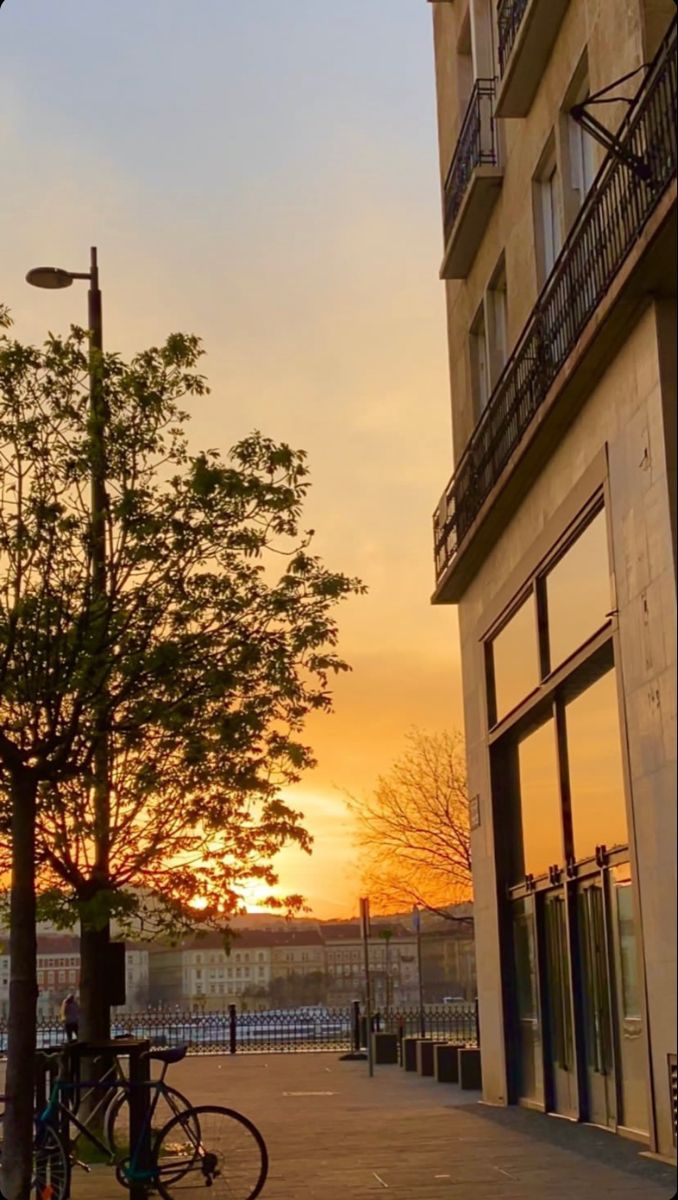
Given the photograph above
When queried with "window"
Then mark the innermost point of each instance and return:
(578, 597)
(594, 760)
(547, 212)
(480, 367)
(550, 219)
(497, 322)
(540, 808)
(577, 146)
(582, 159)
(628, 949)
(559, 760)
(515, 660)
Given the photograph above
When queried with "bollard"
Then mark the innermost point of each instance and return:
(356, 1026)
(232, 1028)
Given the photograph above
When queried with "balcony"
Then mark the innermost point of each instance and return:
(527, 33)
(629, 205)
(472, 184)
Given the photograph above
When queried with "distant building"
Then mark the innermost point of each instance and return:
(555, 539)
(392, 959)
(58, 973)
(213, 977)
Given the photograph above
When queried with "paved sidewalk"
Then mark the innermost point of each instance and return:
(334, 1134)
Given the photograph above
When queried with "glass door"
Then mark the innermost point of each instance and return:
(561, 1058)
(596, 1005)
(530, 1055)
(632, 1058)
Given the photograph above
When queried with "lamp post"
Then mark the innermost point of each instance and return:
(416, 921)
(55, 278)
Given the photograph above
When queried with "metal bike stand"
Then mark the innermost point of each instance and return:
(139, 1099)
(136, 1049)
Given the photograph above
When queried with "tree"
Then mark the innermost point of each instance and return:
(413, 831)
(211, 640)
(299, 988)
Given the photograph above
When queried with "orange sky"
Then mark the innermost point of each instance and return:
(280, 198)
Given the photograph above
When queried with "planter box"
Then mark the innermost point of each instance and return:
(470, 1073)
(385, 1048)
(425, 1059)
(446, 1063)
(408, 1054)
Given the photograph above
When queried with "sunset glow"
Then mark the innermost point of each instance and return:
(304, 251)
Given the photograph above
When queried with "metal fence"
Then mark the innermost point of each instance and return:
(624, 195)
(477, 146)
(280, 1031)
(510, 14)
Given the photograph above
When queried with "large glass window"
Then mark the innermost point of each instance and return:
(578, 592)
(515, 660)
(540, 809)
(595, 768)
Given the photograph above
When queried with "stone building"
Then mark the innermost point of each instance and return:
(392, 959)
(555, 538)
(213, 977)
(58, 973)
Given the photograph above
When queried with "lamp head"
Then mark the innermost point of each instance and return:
(49, 277)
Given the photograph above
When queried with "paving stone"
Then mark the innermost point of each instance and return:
(335, 1134)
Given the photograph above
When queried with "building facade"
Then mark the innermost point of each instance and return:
(58, 973)
(392, 956)
(213, 976)
(555, 538)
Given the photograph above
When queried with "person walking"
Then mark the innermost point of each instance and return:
(70, 1016)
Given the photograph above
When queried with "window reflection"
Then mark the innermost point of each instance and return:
(540, 800)
(628, 956)
(515, 659)
(578, 592)
(595, 768)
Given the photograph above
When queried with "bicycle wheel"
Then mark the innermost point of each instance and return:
(210, 1147)
(51, 1166)
(169, 1104)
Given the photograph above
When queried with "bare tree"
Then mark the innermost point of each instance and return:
(413, 831)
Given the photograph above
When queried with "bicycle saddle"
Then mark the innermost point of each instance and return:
(173, 1055)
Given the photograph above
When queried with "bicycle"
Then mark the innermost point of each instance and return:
(51, 1168)
(67, 1100)
(204, 1146)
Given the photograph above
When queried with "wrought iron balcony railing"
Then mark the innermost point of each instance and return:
(626, 191)
(509, 17)
(477, 146)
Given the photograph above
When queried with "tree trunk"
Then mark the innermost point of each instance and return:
(17, 1146)
(95, 1012)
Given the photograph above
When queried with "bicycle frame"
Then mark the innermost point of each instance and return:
(56, 1107)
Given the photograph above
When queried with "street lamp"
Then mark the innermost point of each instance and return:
(55, 278)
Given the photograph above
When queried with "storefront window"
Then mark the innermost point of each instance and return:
(540, 807)
(595, 768)
(515, 659)
(578, 592)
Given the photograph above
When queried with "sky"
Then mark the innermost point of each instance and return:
(264, 173)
